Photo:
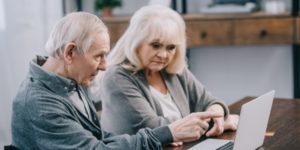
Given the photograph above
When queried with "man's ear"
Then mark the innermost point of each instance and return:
(69, 52)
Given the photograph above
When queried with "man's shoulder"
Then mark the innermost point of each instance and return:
(33, 94)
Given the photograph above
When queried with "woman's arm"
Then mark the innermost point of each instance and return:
(126, 106)
(199, 98)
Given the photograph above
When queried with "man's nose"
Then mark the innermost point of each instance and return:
(102, 64)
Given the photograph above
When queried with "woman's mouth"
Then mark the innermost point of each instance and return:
(159, 62)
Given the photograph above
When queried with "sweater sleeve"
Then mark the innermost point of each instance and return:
(199, 98)
(146, 138)
(53, 125)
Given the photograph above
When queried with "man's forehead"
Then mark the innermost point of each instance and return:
(101, 38)
(101, 42)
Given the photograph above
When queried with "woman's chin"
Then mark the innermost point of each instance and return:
(156, 68)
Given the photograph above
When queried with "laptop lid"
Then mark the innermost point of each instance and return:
(253, 122)
(254, 117)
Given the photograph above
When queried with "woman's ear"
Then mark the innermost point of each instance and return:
(69, 52)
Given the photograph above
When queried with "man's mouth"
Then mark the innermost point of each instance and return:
(94, 74)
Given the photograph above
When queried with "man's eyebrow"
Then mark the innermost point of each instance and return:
(102, 53)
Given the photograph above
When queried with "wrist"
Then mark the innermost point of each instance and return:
(216, 108)
(163, 134)
(172, 131)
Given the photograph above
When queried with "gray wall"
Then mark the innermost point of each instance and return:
(232, 73)
(27, 26)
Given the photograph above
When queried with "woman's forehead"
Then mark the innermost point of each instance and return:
(164, 35)
(162, 40)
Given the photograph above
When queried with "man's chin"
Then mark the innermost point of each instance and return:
(86, 83)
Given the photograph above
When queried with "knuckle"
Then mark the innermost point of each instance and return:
(205, 125)
(195, 120)
(197, 136)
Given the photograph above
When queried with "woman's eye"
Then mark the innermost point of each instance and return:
(171, 47)
(155, 45)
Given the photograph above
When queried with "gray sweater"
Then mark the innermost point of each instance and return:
(44, 118)
(128, 104)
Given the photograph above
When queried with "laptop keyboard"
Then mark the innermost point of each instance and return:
(227, 146)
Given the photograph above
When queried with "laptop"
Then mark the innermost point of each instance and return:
(251, 129)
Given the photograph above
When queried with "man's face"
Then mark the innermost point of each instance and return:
(87, 65)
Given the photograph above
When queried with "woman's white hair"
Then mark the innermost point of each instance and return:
(147, 24)
(77, 27)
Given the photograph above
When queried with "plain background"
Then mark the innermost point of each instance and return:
(230, 73)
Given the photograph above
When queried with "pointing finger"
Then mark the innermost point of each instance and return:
(209, 114)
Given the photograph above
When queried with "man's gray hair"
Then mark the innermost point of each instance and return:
(77, 27)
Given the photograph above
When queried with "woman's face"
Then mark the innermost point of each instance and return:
(156, 55)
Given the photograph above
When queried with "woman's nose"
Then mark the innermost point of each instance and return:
(162, 53)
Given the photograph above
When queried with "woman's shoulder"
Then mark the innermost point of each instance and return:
(184, 77)
(118, 75)
(117, 71)
(185, 72)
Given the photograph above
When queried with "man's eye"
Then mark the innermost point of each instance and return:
(99, 57)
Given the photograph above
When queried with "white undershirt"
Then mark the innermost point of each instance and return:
(169, 108)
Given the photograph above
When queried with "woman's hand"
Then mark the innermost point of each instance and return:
(191, 127)
(231, 123)
(218, 126)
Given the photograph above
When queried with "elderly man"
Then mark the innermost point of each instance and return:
(52, 109)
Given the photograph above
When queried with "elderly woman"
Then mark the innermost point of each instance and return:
(147, 83)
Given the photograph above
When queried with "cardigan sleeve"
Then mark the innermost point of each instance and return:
(199, 98)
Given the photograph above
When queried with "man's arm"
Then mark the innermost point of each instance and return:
(56, 126)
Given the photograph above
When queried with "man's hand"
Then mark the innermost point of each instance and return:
(192, 127)
(175, 144)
